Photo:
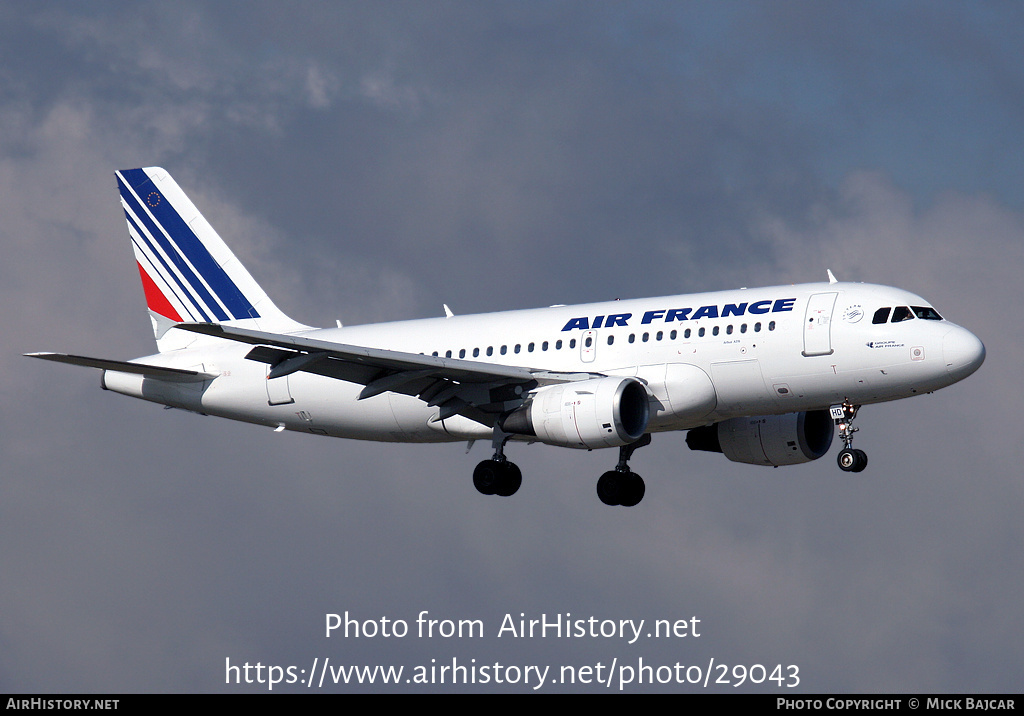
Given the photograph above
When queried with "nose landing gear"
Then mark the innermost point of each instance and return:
(849, 459)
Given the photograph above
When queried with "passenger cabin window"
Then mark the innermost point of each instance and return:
(881, 315)
(926, 312)
(901, 313)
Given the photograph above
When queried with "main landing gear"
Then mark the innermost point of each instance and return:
(849, 459)
(622, 486)
(498, 476)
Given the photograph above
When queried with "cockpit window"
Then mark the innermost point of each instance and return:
(881, 315)
(901, 313)
(926, 312)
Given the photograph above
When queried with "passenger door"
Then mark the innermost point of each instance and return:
(818, 324)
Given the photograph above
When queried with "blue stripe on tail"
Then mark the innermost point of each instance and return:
(184, 296)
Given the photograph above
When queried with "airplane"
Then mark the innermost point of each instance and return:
(762, 375)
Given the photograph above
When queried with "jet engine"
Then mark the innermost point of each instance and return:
(776, 440)
(595, 413)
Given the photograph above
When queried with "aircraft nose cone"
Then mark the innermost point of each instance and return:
(963, 352)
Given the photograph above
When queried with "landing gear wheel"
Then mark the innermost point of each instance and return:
(609, 488)
(486, 477)
(492, 477)
(862, 460)
(621, 488)
(851, 460)
(847, 460)
(635, 489)
(511, 479)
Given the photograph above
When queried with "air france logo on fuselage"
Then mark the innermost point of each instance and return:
(668, 315)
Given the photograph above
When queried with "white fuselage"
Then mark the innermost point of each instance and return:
(704, 358)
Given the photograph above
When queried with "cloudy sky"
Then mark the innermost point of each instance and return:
(370, 161)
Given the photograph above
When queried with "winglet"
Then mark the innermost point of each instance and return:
(831, 278)
(447, 311)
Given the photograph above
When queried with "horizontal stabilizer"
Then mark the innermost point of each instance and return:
(153, 371)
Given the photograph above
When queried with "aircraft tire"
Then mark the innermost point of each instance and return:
(487, 476)
(862, 461)
(635, 489)
(510, 480)
(609, 488)
(847, 460)
(851, 460)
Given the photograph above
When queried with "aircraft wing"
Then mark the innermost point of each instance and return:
(475, 389)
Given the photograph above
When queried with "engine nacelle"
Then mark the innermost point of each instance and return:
(788, 439)
(595, 413)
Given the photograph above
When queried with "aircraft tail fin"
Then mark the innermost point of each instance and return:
(189, 275)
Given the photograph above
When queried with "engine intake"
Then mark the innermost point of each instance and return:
(587, 414)
(775, 440)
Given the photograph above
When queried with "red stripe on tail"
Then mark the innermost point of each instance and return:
(155, 298)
